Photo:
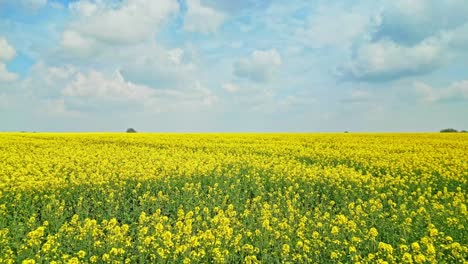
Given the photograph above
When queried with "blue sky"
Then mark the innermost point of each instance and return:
(221, 65)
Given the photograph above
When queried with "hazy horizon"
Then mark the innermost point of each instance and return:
(233, 66)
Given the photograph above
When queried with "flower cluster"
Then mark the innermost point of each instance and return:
(233, 198)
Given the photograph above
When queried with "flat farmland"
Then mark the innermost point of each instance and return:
(233, 198)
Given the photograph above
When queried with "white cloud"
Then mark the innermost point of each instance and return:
(406, 39)
(95, 84)
(455, 91)
(410, 22)
(85, 8)
(175, 55)
(91, 89)
(71, 91)
(154, 65)
(208, 98)
(80, 44)
(457, 38)
(146, 63)
(59, 107)
(129, 22)
(5, 75)
(231, 87)
(334, 26)
(260, 66)
(7, 52)
(200, 18)
(45, 81)
(387, 60)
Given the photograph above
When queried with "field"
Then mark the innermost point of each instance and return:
(233, 198)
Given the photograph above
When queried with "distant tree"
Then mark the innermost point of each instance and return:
(346, 132)
(448, 130)
(131, 130)
(464, 131)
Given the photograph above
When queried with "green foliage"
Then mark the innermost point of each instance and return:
(448, 130)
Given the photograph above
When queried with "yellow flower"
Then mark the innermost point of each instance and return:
(106, 257)
(315, 235)
(232, 197)
(415, 247)
(431, 249)
(373, 233)
(335, 230)
(161, 253)
(248, 248)
(147, 241)
(420, 258)
(334, 255)
(73, 261)
(386, 247)
(285, 249)
(433, 232)
(81, 254)
(407, 258)
(251, 259)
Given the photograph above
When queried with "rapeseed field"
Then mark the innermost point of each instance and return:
(233, 198)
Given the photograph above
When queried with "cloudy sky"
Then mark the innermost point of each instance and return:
(222, 65)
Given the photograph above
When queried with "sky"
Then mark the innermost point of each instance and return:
(233, 66)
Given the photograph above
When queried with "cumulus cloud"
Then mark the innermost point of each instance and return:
(122, 34)
(455, 91)
(387, 60)
(7, 52)
(5, 75)
(334, 26)
(154, 65)
(176, 55)
(457, 38)
(200, 18)
(46, 81)
(148, 62)
(70, 90)
(231, 87)
(78, 43)
(114, 88)
(126, 23)
(260, 66)
(410, 22)
(86, 8)
(59, 107)
(406, 38)
(97, 85)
